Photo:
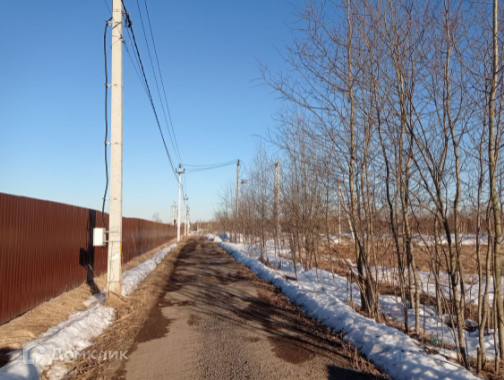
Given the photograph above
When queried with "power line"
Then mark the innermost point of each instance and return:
(108, 7)
(208, 168)
(149, 93)
(155, 77)
(133, 63)
(140, 68)
(106, 119)
(127, 51)
(162, 83)
(193, 168)
(209, 165)
(202, 170)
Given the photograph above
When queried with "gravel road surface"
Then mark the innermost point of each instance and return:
(216, 320)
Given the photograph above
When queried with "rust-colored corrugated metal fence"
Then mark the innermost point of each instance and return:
(46, 248)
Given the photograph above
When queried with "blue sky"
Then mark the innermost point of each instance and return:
(52, 98)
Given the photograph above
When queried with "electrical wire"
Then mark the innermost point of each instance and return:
(127, 51)
(135, 66)
(107, 5)
(155, 76)
(177, 150)
(221, 163)
(192, 167)
(106, 119)
(200, 168)
(149, 93)
(139, 68)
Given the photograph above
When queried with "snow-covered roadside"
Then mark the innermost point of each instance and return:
(65, 341)
(136, 275)
(428, 284)
(218, 239)
(429, 241)
(431, 323)
(214, 238)
(325, 299)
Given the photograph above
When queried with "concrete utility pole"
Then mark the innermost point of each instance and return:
(236, 199)
(277, 202)
(188, 220)
(174, 213)
(114, 272)
(180, 171)
(185, 222)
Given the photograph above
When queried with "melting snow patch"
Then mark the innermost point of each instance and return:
(390, 349)
(59, 342)
(213, 238)
(64, 342)
(134, 276)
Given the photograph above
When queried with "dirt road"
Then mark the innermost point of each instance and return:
(217, 320)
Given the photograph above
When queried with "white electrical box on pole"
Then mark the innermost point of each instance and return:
(180, 171)
(114, 272)
(185, 221)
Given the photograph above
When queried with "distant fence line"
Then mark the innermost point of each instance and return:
(46, 248)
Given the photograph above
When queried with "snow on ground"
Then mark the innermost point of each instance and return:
(426, 240)
(62, 343)
(430, 322)
(134, 276)
(334, 239)
(218, 239)
(214, 238)
(428, 283)
(429, 241)
(325, 299)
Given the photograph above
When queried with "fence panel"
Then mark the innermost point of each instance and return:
(46, 248)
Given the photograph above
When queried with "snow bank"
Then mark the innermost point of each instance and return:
(134, 276)
(390, 349)
(429, 241)
(214, 238)
(428, 283)
(65, 341)
(430, 321)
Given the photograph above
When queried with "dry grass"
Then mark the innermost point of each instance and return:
(345, 250)
(387, 257)
(131, 315)
(15, 333)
